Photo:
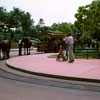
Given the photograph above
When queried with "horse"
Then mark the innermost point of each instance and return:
(5, 46)
(27, 45)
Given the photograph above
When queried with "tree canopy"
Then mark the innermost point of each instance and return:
(65, 28)
(25, 24)
(88, 19)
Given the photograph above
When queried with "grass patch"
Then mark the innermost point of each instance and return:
(52, 56)
(85, 55)
(78, 56)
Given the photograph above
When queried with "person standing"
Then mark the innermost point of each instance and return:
(74, 45)
(70, 47)
(20, 47)
(66, 45)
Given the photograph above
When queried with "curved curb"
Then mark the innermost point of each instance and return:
(54, 76)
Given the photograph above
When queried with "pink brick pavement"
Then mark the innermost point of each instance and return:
(82, 68)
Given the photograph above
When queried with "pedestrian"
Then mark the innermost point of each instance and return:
(20, 47)
(66, 45)
(74, 45)
(70, 41)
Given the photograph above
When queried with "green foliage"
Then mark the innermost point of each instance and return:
(1, 36)
(85, 55)
(53, 56)
(17, 18)
(44, 38)
(65, 28)
(43, 29)
(85, 37)
(54, 27)
(88, 19)
(24, 24)
(22, 20)
(3, 15)
(41, 23)
(78, 56)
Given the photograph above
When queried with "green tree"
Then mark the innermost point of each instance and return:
(3, 15)
(54, 26)
(41, 28)
(65, 28)
(27, 23)
(88, 19)
(15, 17)
(41, 22)
(22, 20)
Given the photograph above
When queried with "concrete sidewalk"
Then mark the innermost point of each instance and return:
(81, 69)
(17, 49)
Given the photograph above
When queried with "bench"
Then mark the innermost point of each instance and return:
(87, 51)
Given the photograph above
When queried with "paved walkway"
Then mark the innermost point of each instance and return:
(41, 64)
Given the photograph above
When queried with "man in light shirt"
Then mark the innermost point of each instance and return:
(70, 42)
(66, 45)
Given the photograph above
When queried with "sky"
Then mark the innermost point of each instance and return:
(51, 11)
